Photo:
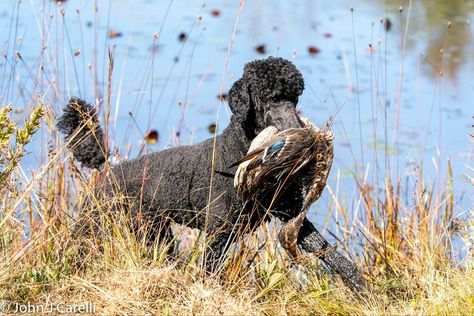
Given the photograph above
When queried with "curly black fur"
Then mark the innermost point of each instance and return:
(88, 147)
(174, 184)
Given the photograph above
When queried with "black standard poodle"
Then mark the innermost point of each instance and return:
(188, 184)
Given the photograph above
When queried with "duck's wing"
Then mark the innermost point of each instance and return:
(250, 166)
(319, 167)
(247, 157)
(291, 149)
(258, 144)
(274, 157)
(262, 138)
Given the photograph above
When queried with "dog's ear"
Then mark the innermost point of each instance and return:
(239, 100)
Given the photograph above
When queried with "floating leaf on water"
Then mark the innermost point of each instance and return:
(114, 34)
(182, 37)
(261, 49)
(212, 128)
(151, 137)
(387, 24)
(222, 97)
(371, 49)
(313, 50)
(215, 12)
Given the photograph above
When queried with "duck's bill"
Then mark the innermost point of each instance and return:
(282, 115)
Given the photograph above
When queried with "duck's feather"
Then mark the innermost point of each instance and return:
(275, 157)
(247, 157)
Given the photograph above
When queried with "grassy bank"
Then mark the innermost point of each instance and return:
(403, 244)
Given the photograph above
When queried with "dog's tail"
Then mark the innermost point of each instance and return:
(81, 127)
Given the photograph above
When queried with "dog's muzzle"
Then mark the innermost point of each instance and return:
(282, 115)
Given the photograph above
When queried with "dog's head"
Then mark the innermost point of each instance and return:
(267, 95)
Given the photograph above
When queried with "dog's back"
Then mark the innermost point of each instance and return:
(173, 183)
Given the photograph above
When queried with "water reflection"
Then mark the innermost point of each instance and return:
(442, 26)
(185, 66)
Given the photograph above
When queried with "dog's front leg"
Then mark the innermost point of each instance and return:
(311, 240)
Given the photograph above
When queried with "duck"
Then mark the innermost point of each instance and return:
(274, 158)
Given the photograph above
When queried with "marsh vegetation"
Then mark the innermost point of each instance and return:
(399, 197)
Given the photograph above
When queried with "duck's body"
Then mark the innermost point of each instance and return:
(275, 158)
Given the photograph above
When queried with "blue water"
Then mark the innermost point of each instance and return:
(171, 86)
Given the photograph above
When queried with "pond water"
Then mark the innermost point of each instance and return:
(404, 76)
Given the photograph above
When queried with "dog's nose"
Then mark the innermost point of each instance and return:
(282, 115)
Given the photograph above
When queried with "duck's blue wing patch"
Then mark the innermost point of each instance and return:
(272, 150)
(276, 147)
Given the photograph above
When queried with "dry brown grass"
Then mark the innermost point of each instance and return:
(404, 249)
